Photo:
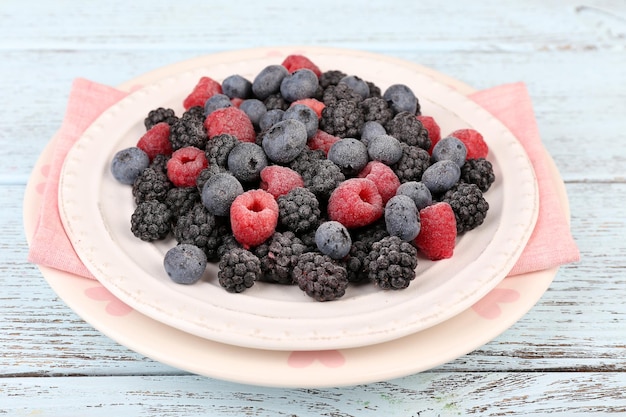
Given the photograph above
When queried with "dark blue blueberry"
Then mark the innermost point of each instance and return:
(419, 193)
(385, 149)
(128, 164)
(333, 239)
(255, 109)
(401, 98)
(267, 82)
(402, 218)
(298, 85)
(270, 118)
(349, 154)
(246, 161)
(215, 102)
(284, 141)
(185, 263)
(219, 192)
(236, 86)
(357, 85)
(303, 114)
(450, 148)
(370, 130)
(441, 176)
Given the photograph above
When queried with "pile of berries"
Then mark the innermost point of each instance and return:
(303, 177)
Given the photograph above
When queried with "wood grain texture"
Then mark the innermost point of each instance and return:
(566, 357)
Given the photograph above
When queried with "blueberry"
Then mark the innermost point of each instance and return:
(128, 164)
(270, 118)
(185, 263)
(402, 218)
(385, 149)
(370, 130)
(215, 102)
(333, 239)
(255, 109)
(236, 86)
(303, 114)
(284, 141)
(401, 98)
(357, 85)
(267, 82)
(450, 148)
(349, 154)
(441, 176)
(219, 192)
(298, 85)
(246, 161)
(419, 193)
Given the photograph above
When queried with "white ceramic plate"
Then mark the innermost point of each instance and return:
(96, 210)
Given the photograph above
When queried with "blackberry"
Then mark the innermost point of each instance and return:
(322, 177)
(218, 148)
(152, 184)
(278, 255)
(334, 93)
(151, 220)
(412, 164)
(238, 270)
(343, 119)
(159, 163)
(159, 115)
(408, 129)
(478, 171)
(331, 77)
(370, 234)
(392, 263)
(228, 242)
(306, 159)
(298, 210)
(320, 277)
(188, 131)
(276, 101)
(469, 206)
(200, 228)
(195, 111)
(376, 109)
(374, 89)
(356, 263)
(180, 200)
(308, 239)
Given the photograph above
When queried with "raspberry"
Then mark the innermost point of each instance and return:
(295, 62)
(253, 217)
(238, 270)
(159, 115)
(356, 202)
(232, 121)
(383, 177)
(236, 101)
(185, 165)
(322, 140)
(474, 142)
(278, 180)
(316, 105)
(204, 89)
(156, 141)
(392, 263)
(320, 277)
(433, 129)
(437, 235)
(469, 206)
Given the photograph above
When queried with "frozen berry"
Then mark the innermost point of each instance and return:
(314, 104)
(469, 206)
(441, 176)
(349, 154)
(253, 217)
(151, 220)
(246, 161)
(333, 239)
(185, 263)
(300, 84)
(278, 255)
(437, 236)
(408, 129)
(188, 131)
(322, 140)
(434, 131)
(385, 149)
(402, 218)
(236, 86)
(218, 148)
(402, 99)
(391, 263)
(254, 109)
(478, 171)
(218, 101)
(159, 115)
(320, 276)
(343, 118)
(371, 130)
(267, 82)
(156, 141)
(219, 192)
(284, 141)
(450, 148)
(270, 118)
(128, 164)
(413, 163)
(278, 180)
(185, 165)
(299, 210)
(305, 115)
(238, 270)
(419, 193)
(474, 142)
(295, 62)
(383, 177)
(376, 109)
(232, 121)
(357, 85)
(205, 88)
(356, 202)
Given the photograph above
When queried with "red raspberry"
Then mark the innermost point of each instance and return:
(322, 140)
(437, 235)
(185, 165)
(206, 88)
(474, 142)
(156, 141)
(386, 180)
(253, 217)
(236, 101)
(355, 202)
(434, 131)
(315, 105)
(295, 62)
(278, 180)
(232, 121)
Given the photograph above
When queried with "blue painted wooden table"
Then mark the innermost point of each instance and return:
(567, 356)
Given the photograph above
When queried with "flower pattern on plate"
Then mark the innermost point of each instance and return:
(488, 307)
(305, 358)
(114, 306)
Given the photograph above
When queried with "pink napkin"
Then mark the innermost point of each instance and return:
(550, 245)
